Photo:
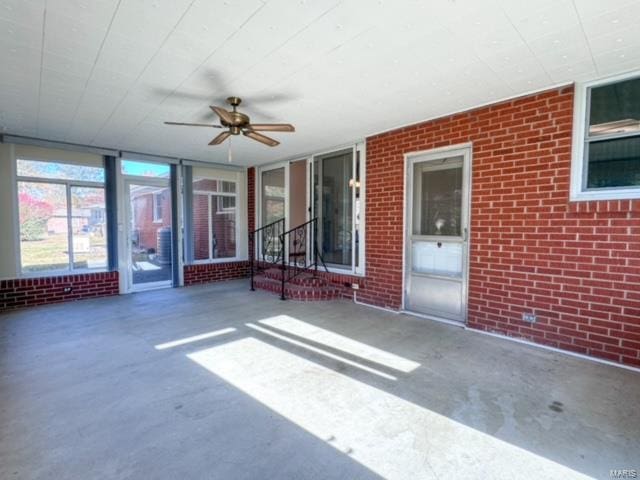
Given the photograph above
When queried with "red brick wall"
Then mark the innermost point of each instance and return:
(251, 208)
(27, 292)
(215, 272)
(344, 282)
(200, 227)
(576, 265)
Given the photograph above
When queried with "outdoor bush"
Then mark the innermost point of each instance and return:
(33, 229)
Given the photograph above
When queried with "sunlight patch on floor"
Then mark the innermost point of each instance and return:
(320, 351)
(146, 266)
(391, 436)
(195, 338)
(316, 334)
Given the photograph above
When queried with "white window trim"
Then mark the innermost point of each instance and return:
(578, 162)
(155, 197)
(235, 210)
(222, 210)
(68, 185)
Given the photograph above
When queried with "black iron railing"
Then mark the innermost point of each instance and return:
(301, 252)
(266, 242)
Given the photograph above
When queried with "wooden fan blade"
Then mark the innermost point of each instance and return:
(220, 138)
(193, 124)
(222, 113)
(261, 138)
(272, 127)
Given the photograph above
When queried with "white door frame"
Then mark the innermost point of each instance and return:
(129, 286)
(354, 148)
(465, 150)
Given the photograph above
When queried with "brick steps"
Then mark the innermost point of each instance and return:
(303, 287)
(305, 278)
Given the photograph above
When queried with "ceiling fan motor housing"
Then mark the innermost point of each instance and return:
(238, 123)
(240, 120)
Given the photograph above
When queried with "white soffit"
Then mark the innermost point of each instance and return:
(109, 72)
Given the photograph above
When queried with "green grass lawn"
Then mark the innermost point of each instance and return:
(51, 253)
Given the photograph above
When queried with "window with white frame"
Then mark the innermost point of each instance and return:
(607, 150)
(61, 214)
(214, 219)
(158, 204)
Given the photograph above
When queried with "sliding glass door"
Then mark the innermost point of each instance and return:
(333, 204)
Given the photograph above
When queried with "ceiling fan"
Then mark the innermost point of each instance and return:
(237, 123)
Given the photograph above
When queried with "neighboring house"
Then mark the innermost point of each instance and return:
(151, 211)
(81, 219)
(58, 221)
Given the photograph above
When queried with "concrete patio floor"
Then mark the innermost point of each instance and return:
(217, 382)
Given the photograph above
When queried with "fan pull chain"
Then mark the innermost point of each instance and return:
(230, 156)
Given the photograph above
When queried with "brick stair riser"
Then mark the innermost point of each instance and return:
(303, 279)
(297, 292)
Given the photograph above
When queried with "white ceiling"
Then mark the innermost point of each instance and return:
(109, 72)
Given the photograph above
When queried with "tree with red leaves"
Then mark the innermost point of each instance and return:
(34, 214)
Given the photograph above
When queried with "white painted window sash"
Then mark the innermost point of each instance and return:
(581, 141)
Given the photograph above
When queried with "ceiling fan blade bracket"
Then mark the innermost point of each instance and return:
(225, 116)
(220, 138)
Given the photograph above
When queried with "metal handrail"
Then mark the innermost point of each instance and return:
(302, 241)
(277, 225)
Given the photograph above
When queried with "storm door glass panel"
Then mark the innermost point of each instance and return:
(273, 208)
(272, 195)
(436, 246)
(336, 209)
(44, 228)
(151, 250)
(428, 257)
(88, 227)
(437, 203)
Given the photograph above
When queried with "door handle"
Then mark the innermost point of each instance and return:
(465, 234)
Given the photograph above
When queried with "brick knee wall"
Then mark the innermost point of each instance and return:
(215, 272)
(27, 292)
(575, 264)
